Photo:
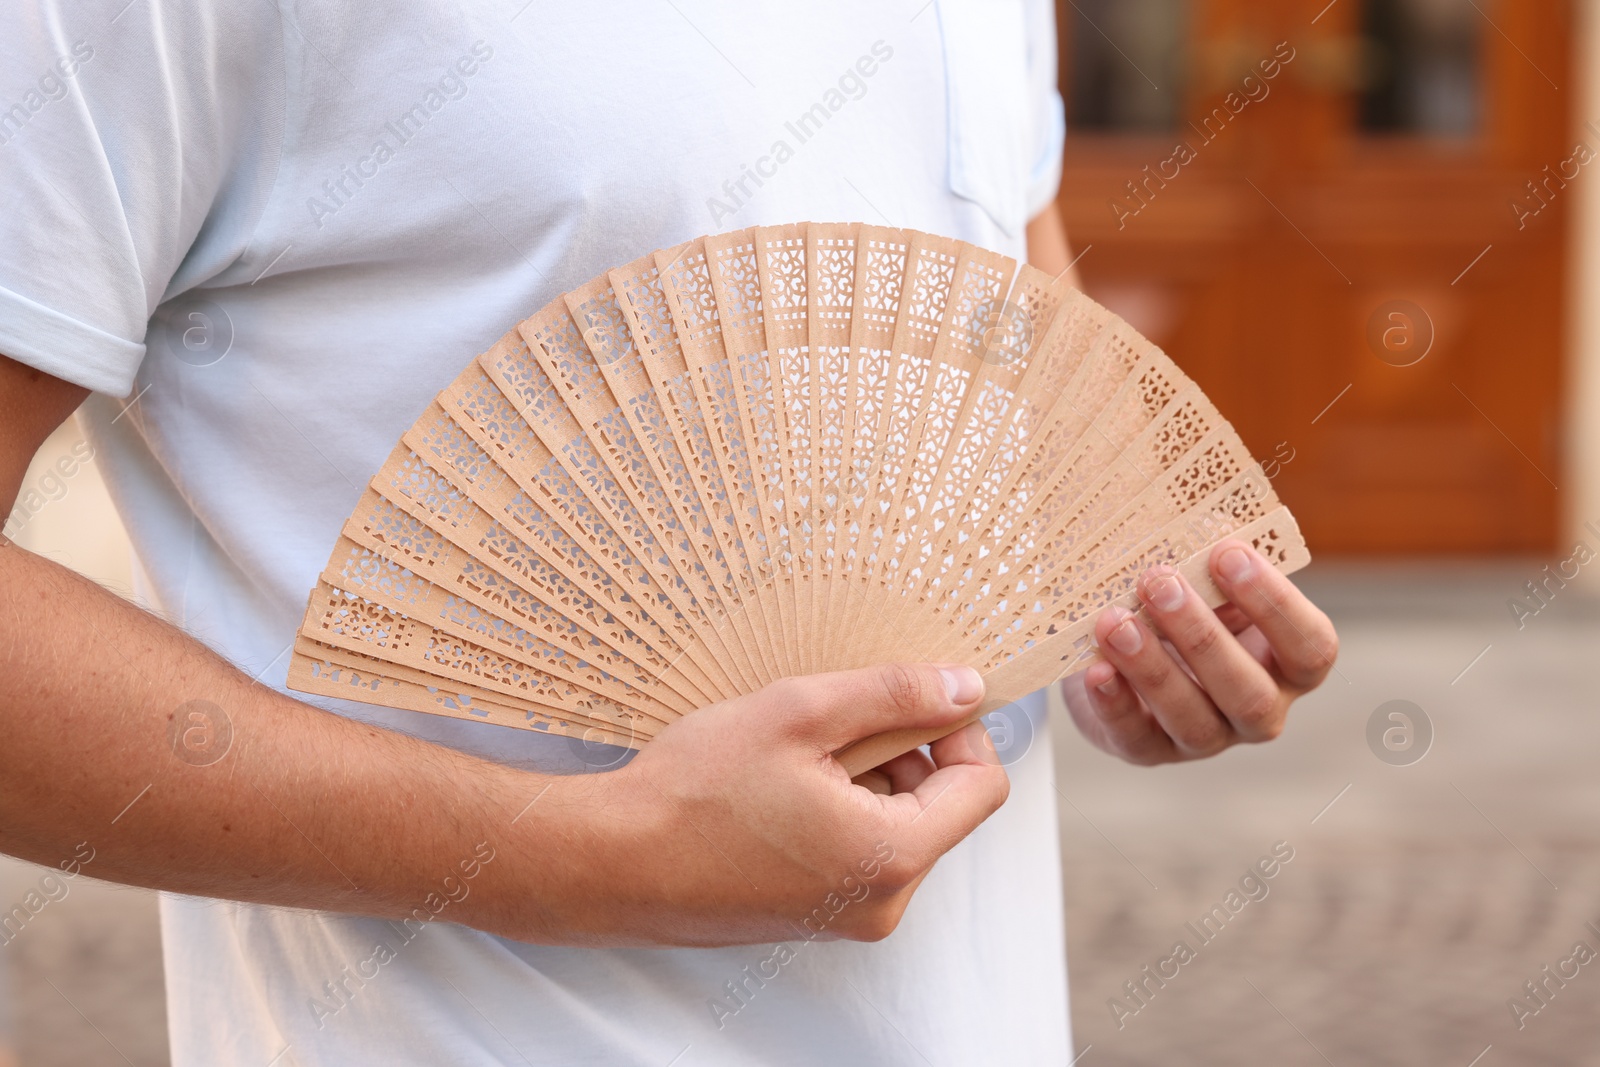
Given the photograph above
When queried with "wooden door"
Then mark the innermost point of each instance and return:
(1347, 221)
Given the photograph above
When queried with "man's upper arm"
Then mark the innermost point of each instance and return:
(32, 403)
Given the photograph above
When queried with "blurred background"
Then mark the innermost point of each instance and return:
(1369, 230)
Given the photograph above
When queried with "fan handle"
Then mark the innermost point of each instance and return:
(1071, 649)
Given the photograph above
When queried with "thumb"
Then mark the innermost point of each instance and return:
(835, 710)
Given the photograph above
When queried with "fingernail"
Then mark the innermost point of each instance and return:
(962, 683)
(1110, 686)
(1164, 592)
(1235, 565)
(1126, 638)
(1101, 674)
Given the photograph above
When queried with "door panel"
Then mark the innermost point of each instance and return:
(1265, 239)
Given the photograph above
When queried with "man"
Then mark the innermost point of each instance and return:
(275, 232)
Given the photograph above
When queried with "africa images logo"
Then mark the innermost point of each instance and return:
(397, 133)
(46, 90)
(851, 85)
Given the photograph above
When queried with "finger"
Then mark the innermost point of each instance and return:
(1235, 620)
(1112, 716)
(882, 912)
(874, 781)
(970, 745)
(1176, 700)
(1304, 643)
(907, 771)
(1239, 686)
(966, 787)
(1255, 643)
(833, 710)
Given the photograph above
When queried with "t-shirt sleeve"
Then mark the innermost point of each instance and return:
(126, 139)
(1049, 132)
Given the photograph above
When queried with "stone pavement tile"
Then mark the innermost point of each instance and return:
(1402, 955)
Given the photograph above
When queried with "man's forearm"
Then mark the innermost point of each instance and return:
(733, 822)
(304, 808)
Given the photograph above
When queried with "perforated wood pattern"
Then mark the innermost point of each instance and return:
(782, 450)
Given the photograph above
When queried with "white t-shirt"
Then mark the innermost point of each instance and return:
(283, 226)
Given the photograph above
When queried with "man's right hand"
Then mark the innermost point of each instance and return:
(737, 825)
(734, 825)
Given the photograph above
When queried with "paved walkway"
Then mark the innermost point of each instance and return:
(1417, 903)
(85, 975)
(1419, 899)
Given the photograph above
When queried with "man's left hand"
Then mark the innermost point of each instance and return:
(1208, 679)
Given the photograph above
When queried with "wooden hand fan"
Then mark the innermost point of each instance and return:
(779, 451)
